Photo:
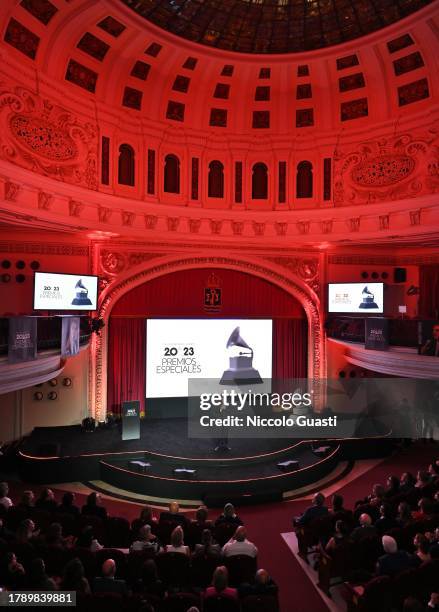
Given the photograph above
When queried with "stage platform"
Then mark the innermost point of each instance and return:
(248, 472)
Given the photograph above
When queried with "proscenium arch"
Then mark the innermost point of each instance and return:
(161, 266)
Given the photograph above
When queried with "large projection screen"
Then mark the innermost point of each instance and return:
(365, 298)
(179, 349)
(53, 291)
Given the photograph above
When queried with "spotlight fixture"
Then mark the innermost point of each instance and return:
(364, 274)
(53, 395)
(6, 264)
(53, 382)
(20, 264)
(375, 275)
(67, 382)
(384, 275)
(6, 278)
(34, 265)
(20, 278)
(38, 396)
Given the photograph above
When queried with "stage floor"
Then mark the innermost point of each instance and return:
(161, 436)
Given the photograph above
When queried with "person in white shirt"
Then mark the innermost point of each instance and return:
(4, 499)
(239, 545)
(146, 541)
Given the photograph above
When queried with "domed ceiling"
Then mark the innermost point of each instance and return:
(273, 26)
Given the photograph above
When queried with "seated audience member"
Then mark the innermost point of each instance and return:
(422, 548)
(392, 487)
(73, 578)
(87, 540)
(386, 522)
(26, 532)
(434, 544)
(316, 511)
(207, 548)
(54, 537)
(220, 585)
(371, 505)
(149, 583)
(435, 505)
(404, 515)
(14, 576)
(433, 603)
(411, 604)
(407, 483)
(174, 515)
(93, 507)
(177, 542)
(107, 583)
(340, 537)
(229, 516)
(423, 484)
(239, 545)
(433, 470)
(145, 517)
(425, 510)
(67, 506)
(46, 501)
(27, 502)
(263, 585)
(393, 561)
(5, 501)
(146, 541)
(365, 530)
(338, 511)
(37, 578)
(201, 517)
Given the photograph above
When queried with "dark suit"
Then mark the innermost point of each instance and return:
(110, 585)
(312, 513)
(394, 563)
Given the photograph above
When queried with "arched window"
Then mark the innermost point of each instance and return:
(172, 174)
(260, 181)
(304, 180)
(126, 165)
(216, 180)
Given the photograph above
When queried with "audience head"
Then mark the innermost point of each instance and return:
(425, 506)
(240, 534)
(109, 568)
(433, 469)
(149, 571)
(365, 520)
(54, 532)
(407, 479)
(423, 477)
(4, 489)
(28, 498)
(389, 544)
(206, 537)
(386, 510)
(378, 491)
(411, 604)
(337, 502)
(262, 577)
(145, 533)
(93, 499)
(341, 528)
(220, 578)
(177, 537)
(201, 514)
(47, 495)
(393, 482)
(404, 511)
(318, 499)
(174, 508)
(68, 499)
(229, 510)
(73, 573)
(37, 571)
(421, 543)
(25, 530)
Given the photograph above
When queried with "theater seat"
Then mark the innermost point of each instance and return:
(221, 604)
(260, 603)
(180, 602)
(173, 568)
(242, 568)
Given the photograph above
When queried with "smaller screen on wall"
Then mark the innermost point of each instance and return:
(362, 298)
(54, 291)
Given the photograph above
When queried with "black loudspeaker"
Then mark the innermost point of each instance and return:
(399, 275)
(49, 449)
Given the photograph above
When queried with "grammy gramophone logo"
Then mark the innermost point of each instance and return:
(368, 299)
(212, 294)
(241, 370)
(81, 298)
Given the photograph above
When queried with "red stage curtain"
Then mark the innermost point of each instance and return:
(126, 363)
(429, 291)
(290, 354)
(181, 294)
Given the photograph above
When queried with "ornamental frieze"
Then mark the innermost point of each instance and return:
(306, 268)
(387, 169)
(45, 138)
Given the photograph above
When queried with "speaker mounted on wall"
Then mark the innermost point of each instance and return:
(400, 275)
